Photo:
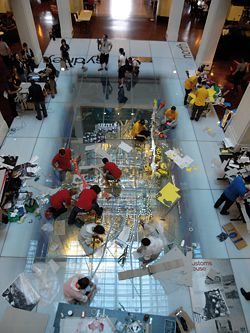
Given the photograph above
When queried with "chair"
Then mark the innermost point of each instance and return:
(76, 18)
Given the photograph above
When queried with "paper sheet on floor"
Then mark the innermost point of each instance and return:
(182, 162)
(91, 147)
(172, 279)
(168, 195)
(124, 146)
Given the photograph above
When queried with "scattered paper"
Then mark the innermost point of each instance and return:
(91, 147)
(124, 146)
(34, 159)
(182, 162)
(228, 143)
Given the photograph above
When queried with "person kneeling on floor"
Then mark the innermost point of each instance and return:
(60, 202)
(79, 289)
(150, 248)
(111, 170)
(91, 232)
(169, 120)
(234, 191)
(86, 202)
(61, 162)
(140, 131)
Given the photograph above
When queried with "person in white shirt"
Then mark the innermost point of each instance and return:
(78, 289)
(150, 248)
(121, 67)
(89, 231)
(104, 46)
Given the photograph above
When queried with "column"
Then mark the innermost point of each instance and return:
(174, 21)
(238, 132)
(26, 26)
(65, 20)
(212, 31)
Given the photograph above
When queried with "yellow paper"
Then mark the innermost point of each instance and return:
(168, 195)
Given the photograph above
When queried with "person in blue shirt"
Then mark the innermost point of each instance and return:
(237, 188)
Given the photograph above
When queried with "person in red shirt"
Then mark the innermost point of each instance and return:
(112, 172)
(86, 202)
(60, 202)
(62, 162)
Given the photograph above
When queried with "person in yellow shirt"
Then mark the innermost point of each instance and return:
(169, 121)
(189, 85)
(140, 131)
(200, 102)
(171, 116)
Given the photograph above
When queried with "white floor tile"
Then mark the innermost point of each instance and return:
(160, 49)
(210, 156)
(183, 66)
(22, 147)
(202, 217)
(22, 125)
(171, 91)
(164, 68)
(140, 48)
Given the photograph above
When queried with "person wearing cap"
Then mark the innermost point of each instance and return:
(111, 170)
(90, 232)
(200, 102)
(61, 162)
(60, 202)
(86, 202)
(78, 288)
(140, 131)
(150, 248)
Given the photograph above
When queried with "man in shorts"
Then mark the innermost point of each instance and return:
(104, 46)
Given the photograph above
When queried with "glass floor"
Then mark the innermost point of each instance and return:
(85, 101)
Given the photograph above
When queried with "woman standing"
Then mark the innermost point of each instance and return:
(121, 67)
(64, 52)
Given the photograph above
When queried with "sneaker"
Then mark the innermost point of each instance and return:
(100, 69)
(243, 292)
(45, 116)
(191, 118)
(38, 118)
(106, 68)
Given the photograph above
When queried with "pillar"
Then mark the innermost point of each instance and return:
(174, 20)
(65, 20)
(26, 26)
(212, 31)
(238, 131)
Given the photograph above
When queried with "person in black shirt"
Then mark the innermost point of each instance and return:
(64, 52)
(50, 73)
(29, 57)
(20, 66)
(37, 97)
(12, 94)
